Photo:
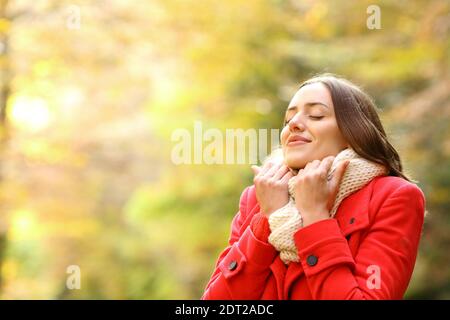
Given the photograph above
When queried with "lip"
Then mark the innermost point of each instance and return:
(297, 143)
(297, 140)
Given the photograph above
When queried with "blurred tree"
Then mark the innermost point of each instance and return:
(5, 88)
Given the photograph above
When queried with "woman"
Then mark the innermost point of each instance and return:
(334, 217)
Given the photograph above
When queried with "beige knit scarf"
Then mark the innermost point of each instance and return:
(287, 220)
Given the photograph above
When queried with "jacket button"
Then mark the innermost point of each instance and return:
(311, 260)
(352, 220)
(232, 265)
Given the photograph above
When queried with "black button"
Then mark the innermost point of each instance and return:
(312, 260)
(232, 265)
(352, 220)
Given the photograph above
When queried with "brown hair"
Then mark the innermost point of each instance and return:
(357, 119)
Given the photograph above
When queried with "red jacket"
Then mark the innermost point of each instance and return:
(367, 251)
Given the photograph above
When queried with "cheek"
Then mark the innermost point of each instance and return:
(327, 133)
(284, 135)
(320, 130)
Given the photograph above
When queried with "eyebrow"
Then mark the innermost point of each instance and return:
(308, 104)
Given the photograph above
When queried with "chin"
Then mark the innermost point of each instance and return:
(298, 157)
(295, 162)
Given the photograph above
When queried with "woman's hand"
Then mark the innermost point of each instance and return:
(271, 185)
(314, 194)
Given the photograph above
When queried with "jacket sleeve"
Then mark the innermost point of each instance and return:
(383, 265)
(243, 267)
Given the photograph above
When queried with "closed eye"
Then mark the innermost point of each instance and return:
(315, 118)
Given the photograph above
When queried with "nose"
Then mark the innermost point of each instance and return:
(296, 124)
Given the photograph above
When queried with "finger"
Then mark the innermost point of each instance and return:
(281, 172)
(256, 170)
(266, 167)
(339, 173)
(312, 165)
(269, 173)
(325, 165)
(286, 177)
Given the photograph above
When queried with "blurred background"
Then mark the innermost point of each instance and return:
(91, 92)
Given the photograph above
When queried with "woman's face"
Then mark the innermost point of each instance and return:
(310, 115)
